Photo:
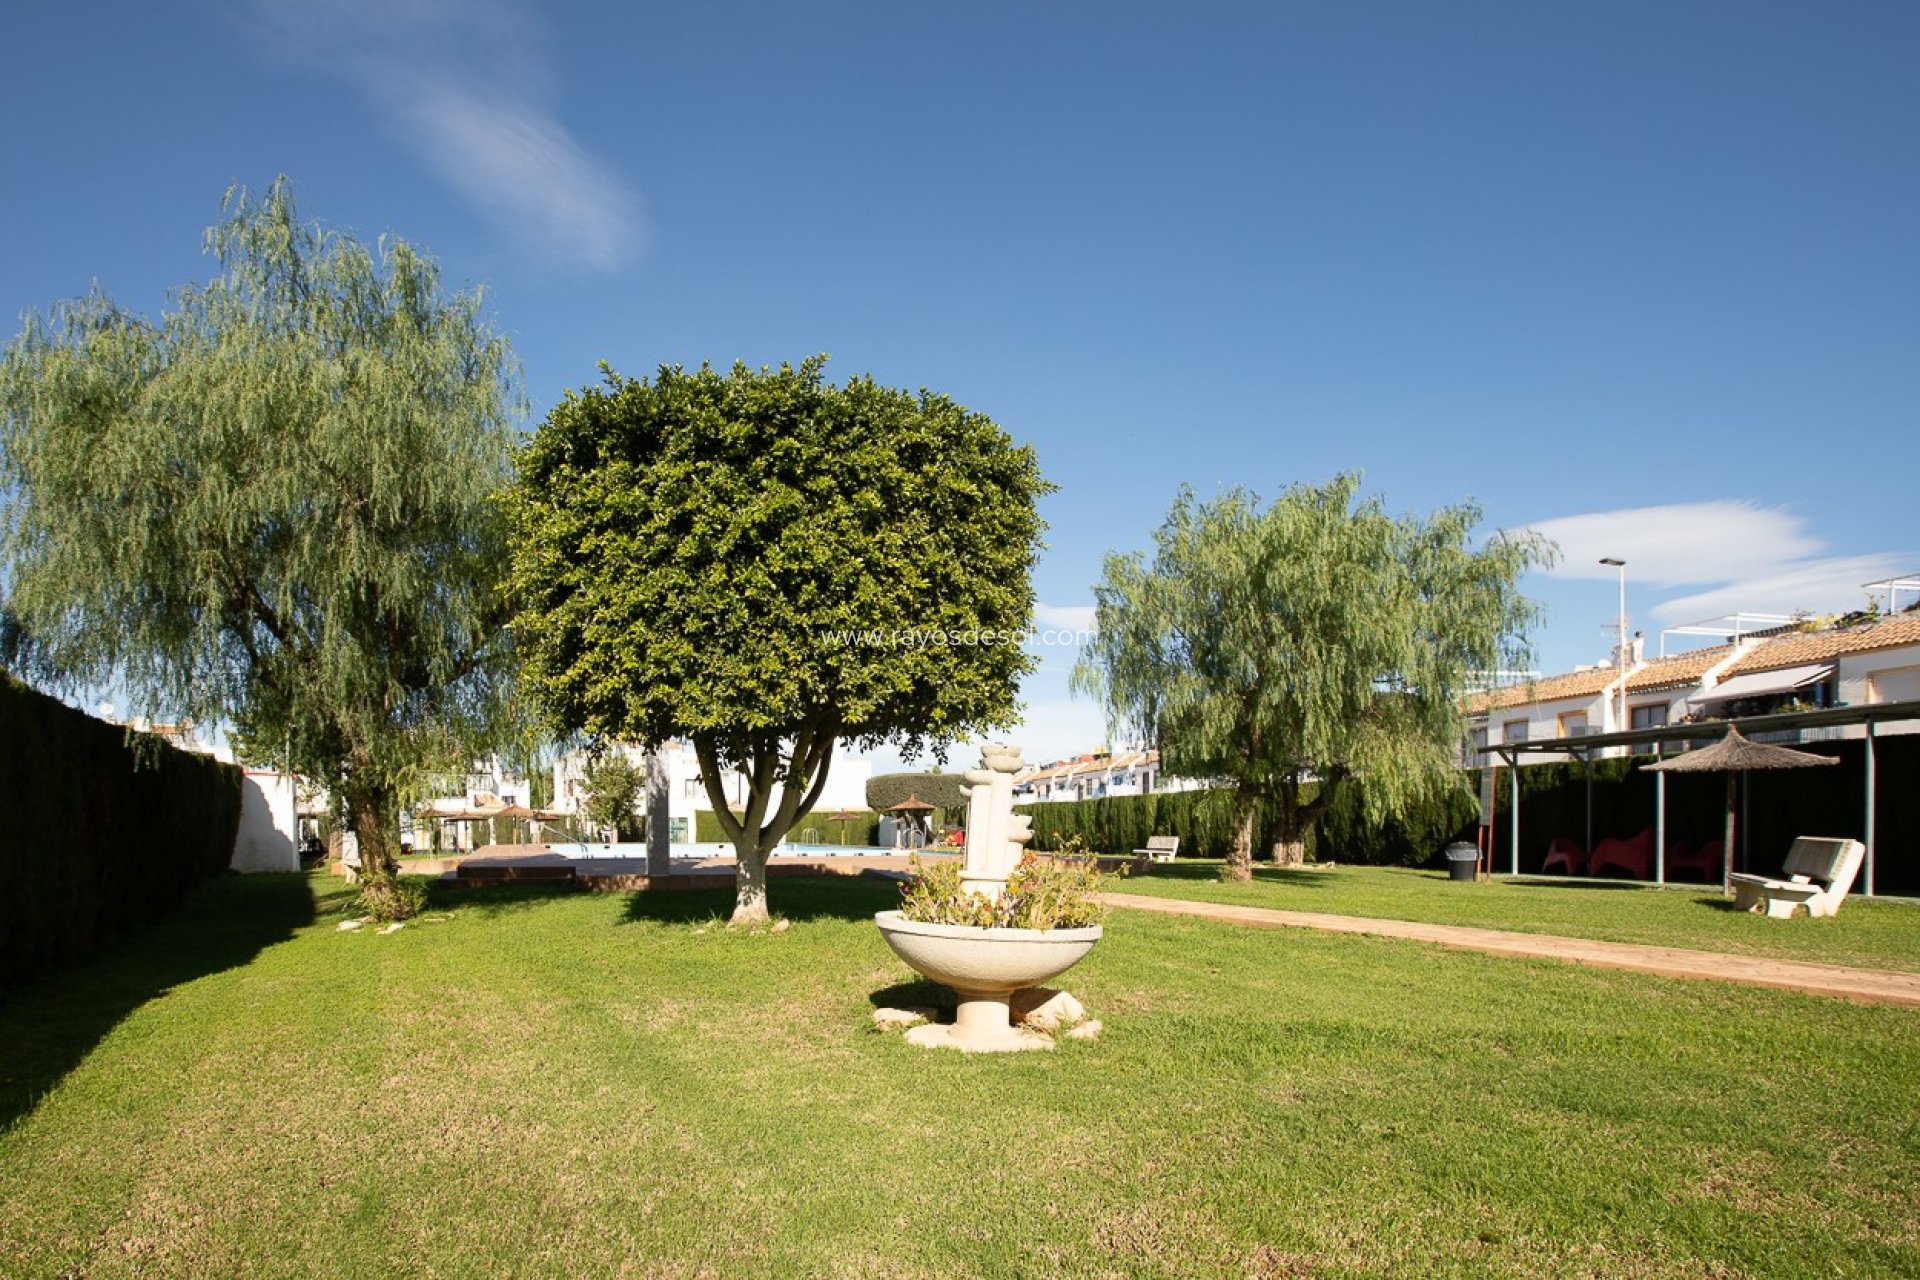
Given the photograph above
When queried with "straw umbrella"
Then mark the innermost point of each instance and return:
(1734, 755)
(842, 817)
(914, 808)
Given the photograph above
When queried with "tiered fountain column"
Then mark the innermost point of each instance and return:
(995, 833)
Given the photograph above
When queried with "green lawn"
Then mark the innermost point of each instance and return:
(593, 1085)
(1875, 934)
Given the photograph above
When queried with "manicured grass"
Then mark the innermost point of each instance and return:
(583, 1086)
(1874, 934)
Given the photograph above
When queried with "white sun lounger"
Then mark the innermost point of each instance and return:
(1818, 874)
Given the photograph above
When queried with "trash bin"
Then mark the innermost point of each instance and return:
(1463, 861)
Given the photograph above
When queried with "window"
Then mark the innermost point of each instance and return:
(1901, 684)
(1649, 715)
(1513, 731)
(1573, 724)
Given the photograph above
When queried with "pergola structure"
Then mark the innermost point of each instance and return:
(1584, 748)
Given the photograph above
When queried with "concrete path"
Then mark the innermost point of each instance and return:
(1867, 986)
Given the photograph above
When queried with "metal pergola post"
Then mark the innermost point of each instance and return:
(1587, 758)
(1660, 828)
(1870, 807)
(1513, 843)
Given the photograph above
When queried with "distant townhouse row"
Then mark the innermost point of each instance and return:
(1095, 775)
(1874, 660)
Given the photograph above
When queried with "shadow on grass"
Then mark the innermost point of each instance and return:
(917, 994)
(485, 901)
(1208, 872)
(1603, 883)
(796, 898)
(51, 1026)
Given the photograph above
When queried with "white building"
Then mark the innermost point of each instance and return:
(1855, 663)
(1095, 775)
(269, 834)
(846, 785)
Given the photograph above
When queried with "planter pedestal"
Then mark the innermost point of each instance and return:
(982, 1025)
(984, 967)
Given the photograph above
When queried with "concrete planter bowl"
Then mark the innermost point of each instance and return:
(984, 967)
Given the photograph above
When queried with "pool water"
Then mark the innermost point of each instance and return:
(699, 851)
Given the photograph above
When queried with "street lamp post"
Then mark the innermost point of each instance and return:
(1620, 650)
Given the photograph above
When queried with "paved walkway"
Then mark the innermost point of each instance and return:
(1867, 986)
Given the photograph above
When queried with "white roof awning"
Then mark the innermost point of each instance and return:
(1759, 684)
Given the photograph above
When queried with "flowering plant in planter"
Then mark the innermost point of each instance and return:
(1042, 893)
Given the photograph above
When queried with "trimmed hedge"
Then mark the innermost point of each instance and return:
(1204, 822)
(105, 834)
(941, 790)
(1553, 802)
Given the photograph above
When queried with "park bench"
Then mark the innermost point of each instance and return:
(1159, 848)
(1818, 873)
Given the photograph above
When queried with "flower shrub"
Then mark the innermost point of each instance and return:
(389, 898)
(1042, 893)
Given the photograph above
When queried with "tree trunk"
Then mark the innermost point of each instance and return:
(659, 856)
(756, 832)
(749, 882)
(1290, 850)
(370, 812)
(1240, 855)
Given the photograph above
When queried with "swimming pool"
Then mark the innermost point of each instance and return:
(702, 851)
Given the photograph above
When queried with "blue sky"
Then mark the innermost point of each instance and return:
(1644, 275)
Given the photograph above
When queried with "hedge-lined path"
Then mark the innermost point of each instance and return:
(1865, 986)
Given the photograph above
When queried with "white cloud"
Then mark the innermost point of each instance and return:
(1682, 544)
(1830, 585)
(465, 84)
(1055, 730)
(1064, 617)
(1739, 556)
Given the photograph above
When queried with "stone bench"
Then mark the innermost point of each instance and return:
(1159, 848)
(1818, 873)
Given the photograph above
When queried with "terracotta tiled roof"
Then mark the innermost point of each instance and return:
(1792, 649)
(1677, 671)
(1800, 648)
(1085, 766)
(1574, 684)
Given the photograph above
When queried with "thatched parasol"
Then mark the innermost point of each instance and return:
(1733, 755)
(912, 804)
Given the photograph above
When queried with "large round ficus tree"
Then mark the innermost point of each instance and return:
(272, 507)
(767, 564)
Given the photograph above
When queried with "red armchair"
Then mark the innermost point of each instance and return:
(1565, 852)
(1635, 856)
(1704, 861)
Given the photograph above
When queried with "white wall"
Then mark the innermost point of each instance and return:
(846, 786)
(1893, 683)
(1543, 718)
(267, 840)
(1886, 675)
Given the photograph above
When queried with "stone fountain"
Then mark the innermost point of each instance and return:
(985, 966)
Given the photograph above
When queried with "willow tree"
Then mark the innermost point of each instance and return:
(1288, 650)
(767, 564)
(270, 507)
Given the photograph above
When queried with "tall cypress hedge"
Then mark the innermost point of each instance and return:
(1553, 802)
(102, 835)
